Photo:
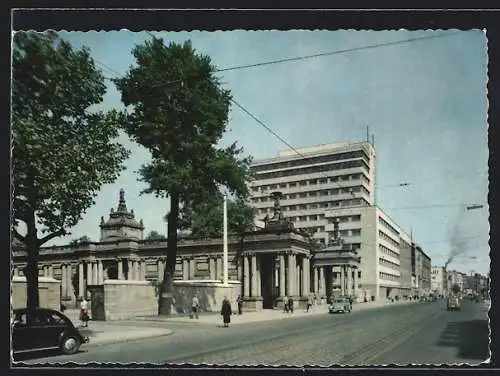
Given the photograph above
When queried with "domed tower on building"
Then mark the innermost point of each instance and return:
(121, 223)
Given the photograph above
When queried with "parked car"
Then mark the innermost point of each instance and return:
(49, 329)
(341, 305)
(453, 304)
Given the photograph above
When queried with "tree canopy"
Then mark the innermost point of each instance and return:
(179, 112)
(155, 235)
(455, 288)
(62, 153)
(205, 220)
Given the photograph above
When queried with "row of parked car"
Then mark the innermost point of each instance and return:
(48, 329)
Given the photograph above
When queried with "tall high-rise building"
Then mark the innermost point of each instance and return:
(314, 180)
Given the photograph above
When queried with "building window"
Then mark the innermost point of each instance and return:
(356, 218)
(323, 181)
(313, 194)
(292, 196)
(303, 183)
(291, 185)
(313, 182)
(356, 232)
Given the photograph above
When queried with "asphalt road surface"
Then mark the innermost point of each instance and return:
(422, 333)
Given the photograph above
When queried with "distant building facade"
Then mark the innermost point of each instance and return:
(384, 248)
(438, 280)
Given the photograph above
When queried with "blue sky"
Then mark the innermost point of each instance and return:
(425, 101)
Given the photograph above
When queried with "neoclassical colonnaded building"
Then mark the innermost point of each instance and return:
(269, 263)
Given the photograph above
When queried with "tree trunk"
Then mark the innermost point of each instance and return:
(31, 271)
(166, 289)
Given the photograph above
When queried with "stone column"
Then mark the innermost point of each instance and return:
(81, 289)
(355, 282)
(130, 273)
(291, 277)
(64, 281)
(51, 271)
(121, 276)
(45, 271)
(253, 275)
(95, 276)
(316, 280)
(297, 277)
(137, 270)
(341, 279)
(246, 276)
(282, 282)
(100, 272)
(258, 276)
(159, 268)
(144, 265)
(305, 267)
(69, 281)
(185, 269)
(192, 268)
(16, 271)
(350, 291)
(89, 274)
(322, 281)
(239, 271)
(219, 271)
(211, 268)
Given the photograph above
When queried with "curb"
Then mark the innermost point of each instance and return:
(166, 333)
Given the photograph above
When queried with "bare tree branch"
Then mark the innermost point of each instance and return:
(18, 236)
(45, 239)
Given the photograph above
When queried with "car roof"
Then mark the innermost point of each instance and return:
(22, 310)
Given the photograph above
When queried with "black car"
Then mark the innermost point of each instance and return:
(49, 330)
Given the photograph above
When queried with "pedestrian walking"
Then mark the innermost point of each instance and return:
(285, 304)
(350, 302)
(84, 311)
(309, 303)
(226, 312)
(195, 307)
(239, 301)
(290, 305)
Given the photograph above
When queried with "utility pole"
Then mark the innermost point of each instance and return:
(225, 257)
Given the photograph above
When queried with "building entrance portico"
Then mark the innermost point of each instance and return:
(279, 265)
(337, 269)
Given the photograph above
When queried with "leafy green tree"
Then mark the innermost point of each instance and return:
(206, 220)
(155, 235)
(455, 289)
(81, 240)
(62, 154)
(179, 112)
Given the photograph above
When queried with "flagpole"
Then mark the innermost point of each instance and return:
(225, 260)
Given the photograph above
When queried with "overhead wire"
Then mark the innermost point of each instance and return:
(271, 131)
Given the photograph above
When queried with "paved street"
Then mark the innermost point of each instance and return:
(403, 334)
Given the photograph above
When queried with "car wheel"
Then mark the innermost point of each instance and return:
(70, 345)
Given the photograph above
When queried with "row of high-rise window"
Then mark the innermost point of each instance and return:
(384, 262)
(312, 160)
(383, 249)
(320, 205)
(388, 277)
(311, 182)
(387, 225)
(387, 238)
(315, 169)
(345, 218)
(316, 193)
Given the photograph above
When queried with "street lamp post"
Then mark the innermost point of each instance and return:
(225, 252)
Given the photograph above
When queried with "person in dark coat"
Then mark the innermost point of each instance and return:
(240, 304)
(226, 312)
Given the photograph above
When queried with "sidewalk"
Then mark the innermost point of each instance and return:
(214, 318)
(103, 333)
